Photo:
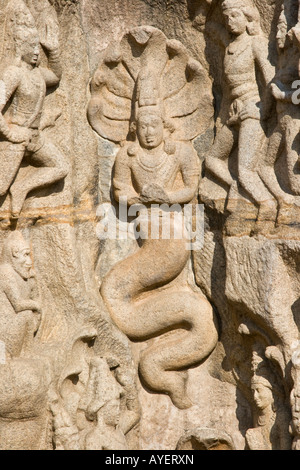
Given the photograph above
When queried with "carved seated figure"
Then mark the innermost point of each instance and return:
(19, 305)
(23, 379)
(154, 163)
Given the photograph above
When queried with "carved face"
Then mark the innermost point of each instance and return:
(235, 20)
(30, 51)
(263, 396)
(281, 35)
(22, 262)
(150, 130)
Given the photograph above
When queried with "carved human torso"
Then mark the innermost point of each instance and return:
(239, 69)
(14, 327)
(161, 169)
(28, 99)
(135, 168)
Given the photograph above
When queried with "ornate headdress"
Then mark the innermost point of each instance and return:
(146, 70)
(19, 25)
(263, 374)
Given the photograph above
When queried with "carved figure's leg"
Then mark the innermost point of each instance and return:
(11, 156)
(288, 203)
(216, 163)
(250, 142)
(267, 171)
(292, 142)
(51, 167)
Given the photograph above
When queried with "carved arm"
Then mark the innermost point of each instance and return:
(53, 74)
(260, 51)
(190, 175)
(122, 181)
(50, 42)
(14, 295)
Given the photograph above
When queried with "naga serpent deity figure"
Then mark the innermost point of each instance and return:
(162, 105)
(23, 88)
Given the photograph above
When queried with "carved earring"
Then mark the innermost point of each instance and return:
(170, 146)
(132, 150)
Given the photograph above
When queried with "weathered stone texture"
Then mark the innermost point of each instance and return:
(115, 334)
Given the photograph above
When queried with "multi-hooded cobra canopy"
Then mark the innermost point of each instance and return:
(147, 69)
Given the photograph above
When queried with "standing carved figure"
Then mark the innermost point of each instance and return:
(295, 399)
(285, 136)
(246, 53)
(158, 89)
(23, 88)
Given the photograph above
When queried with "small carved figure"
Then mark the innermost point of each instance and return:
(104, 409)
(106, 435)
(130, 408)
(295, 399)
(271, 420)
(20, 308)
(246, 51)
(23, 88)
(74, 390)
(258, 438)
(93, 412)
(201, 13)
(286, 134)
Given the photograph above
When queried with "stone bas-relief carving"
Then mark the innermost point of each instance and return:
(24, 379)
(20, 309)
(152, 342)
(205, 439)
(155, 168)
(96, 424)
(271, 422)
(246, 53)
(287, 127)
(23, 90)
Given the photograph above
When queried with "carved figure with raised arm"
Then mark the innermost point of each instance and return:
(23, 86)
(245, 60)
